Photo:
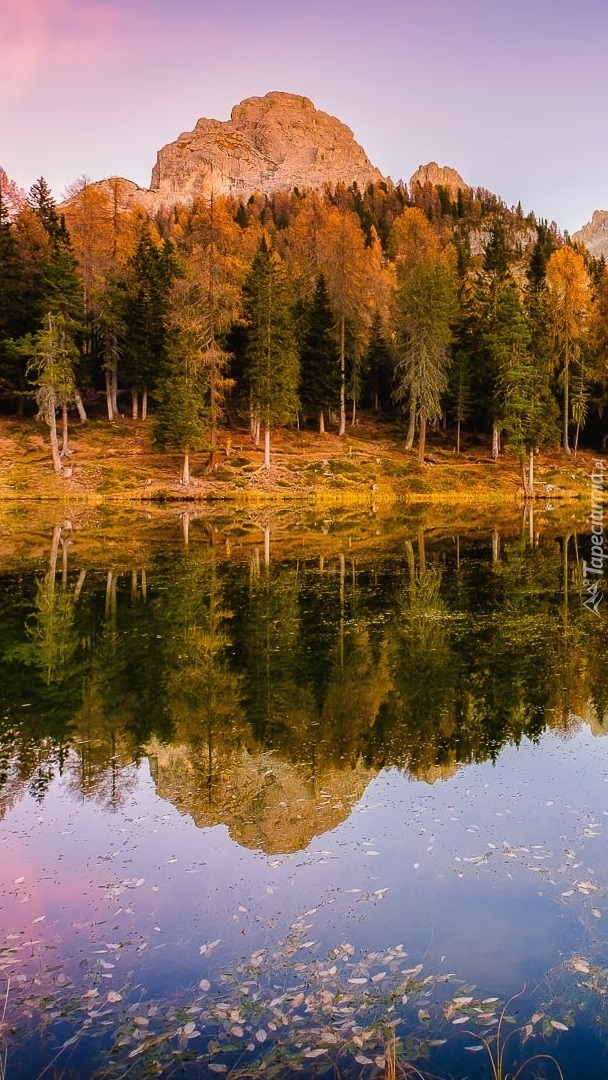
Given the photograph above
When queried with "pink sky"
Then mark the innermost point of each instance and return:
(513, 97)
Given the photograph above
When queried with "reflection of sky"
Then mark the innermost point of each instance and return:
(512, 97)
(443, 870)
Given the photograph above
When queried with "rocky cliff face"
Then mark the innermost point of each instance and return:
(270, 144)
(438, 176)
(594, 235)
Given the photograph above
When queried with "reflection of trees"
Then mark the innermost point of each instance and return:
(201, 690)
(257, 686)
(52, 656)
(420, 715)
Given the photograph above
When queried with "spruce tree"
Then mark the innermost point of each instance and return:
(525, 405)
(183, 417)
(426, 308)
(271, 352)
(460, 391)
(319, 358)
(53, 355)
(12, 309)
(378, 366)
(150, 273)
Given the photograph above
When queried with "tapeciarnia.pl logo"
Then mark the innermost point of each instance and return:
(593, 571)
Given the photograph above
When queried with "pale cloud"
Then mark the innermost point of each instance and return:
(45, 40)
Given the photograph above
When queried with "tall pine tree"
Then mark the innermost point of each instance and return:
(271, 351)
(319, 358)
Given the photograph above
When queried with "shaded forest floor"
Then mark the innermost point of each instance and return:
(119, 463)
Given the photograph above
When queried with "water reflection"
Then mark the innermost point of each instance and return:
(266, 689)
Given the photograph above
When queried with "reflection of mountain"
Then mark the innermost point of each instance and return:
(266, 803)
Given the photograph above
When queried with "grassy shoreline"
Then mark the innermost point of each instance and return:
(119, 463)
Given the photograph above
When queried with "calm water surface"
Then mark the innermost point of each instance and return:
(276, 801)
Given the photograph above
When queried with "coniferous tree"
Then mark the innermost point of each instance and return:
(319, 358)
(53, 355)
(460, 390)
(271, 351)
(183, 418)
(12, 309)
(569, 297)
(426, 308)
(525, 408)
(150, 272)
(58, 288)
(378, 366)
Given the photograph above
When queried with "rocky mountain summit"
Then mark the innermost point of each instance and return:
(438, 176)
(594, 235)
(271, 143)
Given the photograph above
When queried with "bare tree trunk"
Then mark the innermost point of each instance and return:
(422, 437)
(565, 437)
(54, 553)
(79, 584)
(186, 527)
(114, 374)
(458, 436)
(531, 471)
(495, 546)
(524, 479)
(342, 427)
(411, 430)
(52, 420)
(495, 442)
(65, 543)
(186, 470)
(134, 403)
(321, 423)
(576, 435)
(109, 402)
(110, 606)
(266, 447)
(266, 546)
(144, 403)
(82, 415)
(65, 449)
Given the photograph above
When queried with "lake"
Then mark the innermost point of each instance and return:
(291, 794)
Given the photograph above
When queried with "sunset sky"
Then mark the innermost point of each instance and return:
(513, 96)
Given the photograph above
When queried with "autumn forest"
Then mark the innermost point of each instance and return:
(437, 307)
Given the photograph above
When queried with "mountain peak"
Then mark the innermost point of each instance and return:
(438, 176)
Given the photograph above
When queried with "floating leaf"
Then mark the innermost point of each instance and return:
(557, 1024)
(208, 946)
